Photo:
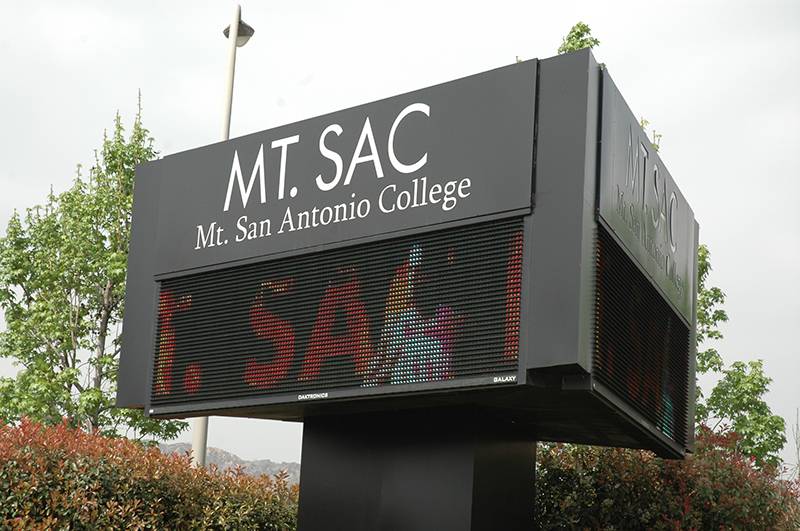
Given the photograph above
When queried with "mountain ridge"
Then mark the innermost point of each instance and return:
(226, 460)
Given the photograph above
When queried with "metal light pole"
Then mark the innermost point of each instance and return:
(238, 33)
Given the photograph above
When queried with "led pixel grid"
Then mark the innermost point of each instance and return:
(415, 310)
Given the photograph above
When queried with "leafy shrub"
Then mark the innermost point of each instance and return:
(63, 478)
(609, 488)
(58, 477)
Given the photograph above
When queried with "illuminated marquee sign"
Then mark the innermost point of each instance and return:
(464, 245)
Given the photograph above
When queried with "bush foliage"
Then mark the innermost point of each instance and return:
(718, 487)
(63, 478)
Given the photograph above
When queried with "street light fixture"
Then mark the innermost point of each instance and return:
(241, 34)
(245, 32)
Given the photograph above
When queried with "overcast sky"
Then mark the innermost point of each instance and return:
(720, 81)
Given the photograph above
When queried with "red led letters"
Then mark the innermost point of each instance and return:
(403, 331)
(269, 326)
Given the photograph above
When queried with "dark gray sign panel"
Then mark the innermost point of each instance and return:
(445, 153)
(642, 205)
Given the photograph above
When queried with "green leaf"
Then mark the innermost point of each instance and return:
(578, 38)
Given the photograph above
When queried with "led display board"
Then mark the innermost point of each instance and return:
(463, 245)
(440, 308)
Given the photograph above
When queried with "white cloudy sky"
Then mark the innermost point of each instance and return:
(719, 79)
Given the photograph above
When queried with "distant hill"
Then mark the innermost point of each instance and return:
(225, 460)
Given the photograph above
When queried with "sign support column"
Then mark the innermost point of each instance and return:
(453, 470)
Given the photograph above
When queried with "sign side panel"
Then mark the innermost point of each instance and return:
(643, 206)
(140, 292)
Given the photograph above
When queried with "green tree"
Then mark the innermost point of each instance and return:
(578, 38)
(736, 403)
(62, 287)
(710, 315)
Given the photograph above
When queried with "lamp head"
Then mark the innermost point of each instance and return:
(245, 32)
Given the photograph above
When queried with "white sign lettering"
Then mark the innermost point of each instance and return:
(392, 199)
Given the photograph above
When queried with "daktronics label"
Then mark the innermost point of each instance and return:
(431, 308)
